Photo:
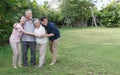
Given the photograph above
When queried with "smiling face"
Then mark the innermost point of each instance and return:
(37, 24)
(45, 22)
(22, 20)
(28, 14)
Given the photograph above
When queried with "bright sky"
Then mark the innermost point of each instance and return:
(99, 4)
(102, 3)
(41, 1)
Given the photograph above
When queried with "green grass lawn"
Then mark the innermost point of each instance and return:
(88, 51)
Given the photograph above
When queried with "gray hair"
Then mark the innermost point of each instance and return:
(36, 20)
(28, 11)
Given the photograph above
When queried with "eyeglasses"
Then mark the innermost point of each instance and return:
(45, 20)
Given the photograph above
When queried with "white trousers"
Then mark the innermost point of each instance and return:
(16, 53)
(42, 52)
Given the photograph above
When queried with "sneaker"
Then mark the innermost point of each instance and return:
(52, 64)
(19, 66)
(40, 66)
(15, 67)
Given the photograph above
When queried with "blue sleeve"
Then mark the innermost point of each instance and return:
(53, 29)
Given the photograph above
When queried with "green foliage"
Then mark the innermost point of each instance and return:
(11, 10)
(76, 10)
(55, 16)
(110, 16)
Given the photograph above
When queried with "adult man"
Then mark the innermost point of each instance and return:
(28, 41)
(54, 35)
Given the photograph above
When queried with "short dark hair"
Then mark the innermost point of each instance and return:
(43, 17)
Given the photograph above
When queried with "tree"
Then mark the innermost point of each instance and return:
(77, 10)
(110, 16)
(9, 14)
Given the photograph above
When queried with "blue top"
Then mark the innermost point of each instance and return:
(51, 28)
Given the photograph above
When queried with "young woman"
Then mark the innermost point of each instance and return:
(54, 35)
(15, 41)
(41, 42)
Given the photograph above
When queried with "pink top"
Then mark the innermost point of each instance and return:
(16, 33)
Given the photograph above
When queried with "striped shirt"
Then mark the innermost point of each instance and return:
(28, 27)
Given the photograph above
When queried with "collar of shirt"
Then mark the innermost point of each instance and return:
(29, 20)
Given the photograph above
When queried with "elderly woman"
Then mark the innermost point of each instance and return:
(41, 42)
(15, 41)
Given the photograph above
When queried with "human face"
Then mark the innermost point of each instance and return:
(22, 20)
(37, 24)
(29, 15)
(45, 22)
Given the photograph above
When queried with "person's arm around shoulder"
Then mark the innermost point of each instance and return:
(23, 31)
(28, 33)
(15, 25)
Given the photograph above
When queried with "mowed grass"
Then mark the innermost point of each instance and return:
(88, 51)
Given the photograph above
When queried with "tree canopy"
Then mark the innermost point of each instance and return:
(110, 16)
(76, 10)
(10, 11)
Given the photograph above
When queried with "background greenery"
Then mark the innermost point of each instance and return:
(74, 12)
(86, 51)
(110, 16)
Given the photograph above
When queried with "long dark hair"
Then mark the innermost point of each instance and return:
(19, 18)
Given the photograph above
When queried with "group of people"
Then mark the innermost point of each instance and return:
(31, 33)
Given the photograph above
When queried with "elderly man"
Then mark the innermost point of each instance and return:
(28, 41)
